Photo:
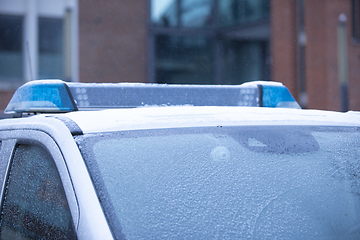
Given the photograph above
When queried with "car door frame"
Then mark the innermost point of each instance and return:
(55, 136)
(11, 138)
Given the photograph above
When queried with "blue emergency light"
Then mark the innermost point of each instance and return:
(42, 96)
(55, 96)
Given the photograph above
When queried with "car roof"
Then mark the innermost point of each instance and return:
(186, 116)
(154, 106)
(190, 116)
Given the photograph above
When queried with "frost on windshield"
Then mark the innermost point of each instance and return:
(231, 183)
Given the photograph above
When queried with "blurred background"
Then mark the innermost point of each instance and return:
(311, 46)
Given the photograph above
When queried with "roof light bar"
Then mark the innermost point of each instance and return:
(60, 96)
(42, 96)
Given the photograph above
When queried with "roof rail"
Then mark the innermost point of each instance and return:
(54, 96)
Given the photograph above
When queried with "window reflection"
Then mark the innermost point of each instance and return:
(210, 41)
(164, 13)
(183, 13)
(243, 61)
(242, 11)
(196, 13)
(183, 59)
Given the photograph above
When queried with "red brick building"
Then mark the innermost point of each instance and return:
(113, 41)
(321, 67)
(227, 42)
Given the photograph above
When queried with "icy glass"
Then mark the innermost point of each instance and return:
(135, 95)
(35, 205)
(228, 183)
(234, 12)
(184, 59)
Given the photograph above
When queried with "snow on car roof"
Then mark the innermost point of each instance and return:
(190, 116)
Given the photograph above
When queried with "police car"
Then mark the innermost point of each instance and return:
(149, 161)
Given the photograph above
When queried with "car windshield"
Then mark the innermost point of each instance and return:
(263, 182)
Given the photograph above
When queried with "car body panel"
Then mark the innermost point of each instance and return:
(51, 133)
(186, 116)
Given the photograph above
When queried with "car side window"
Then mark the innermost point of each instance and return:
(34, 204)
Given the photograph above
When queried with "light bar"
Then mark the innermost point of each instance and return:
(60, 96)
(42, 96)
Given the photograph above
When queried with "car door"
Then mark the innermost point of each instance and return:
(37, 197)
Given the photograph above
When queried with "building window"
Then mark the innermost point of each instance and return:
(51, 59)
(209, 41)
(242, 11)
(38, 42)
(11, 50)
(184, 59)
(243, 60)
(196, 13)
(164, 13)
(184, 13)
(356, 20)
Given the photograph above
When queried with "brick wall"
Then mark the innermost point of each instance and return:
(321, 56)
(5, 97)
(321, 18)
(113, 40)
(283, 43)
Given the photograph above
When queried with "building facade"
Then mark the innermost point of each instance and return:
(305, 54)
(38, 40)
(295, 42)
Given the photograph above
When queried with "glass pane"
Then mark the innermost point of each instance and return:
(183, 59)
(50, 48)
(11, 56)
(261, 182)
(35, 205)
(164, 13)
(243, 61)
(196, 13)
(242, 11)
